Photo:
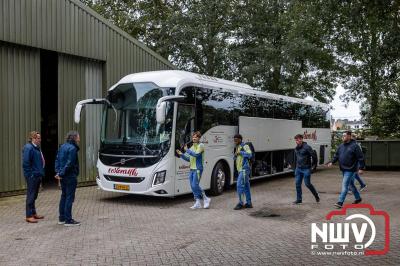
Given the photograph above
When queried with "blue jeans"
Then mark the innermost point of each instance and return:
(243, 186)
(32, 191)
(194, 178)
(348, 182)
(305, 173)
(358, 178)
(68, 188)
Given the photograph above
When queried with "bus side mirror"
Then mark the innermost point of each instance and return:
(81, 104)
(160, 112)
(77, 114)
(161, 106)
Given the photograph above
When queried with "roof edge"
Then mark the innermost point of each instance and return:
(120, 31)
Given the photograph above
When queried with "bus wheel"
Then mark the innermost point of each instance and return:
(218, 179)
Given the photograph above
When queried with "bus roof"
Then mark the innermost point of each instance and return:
(177, 78)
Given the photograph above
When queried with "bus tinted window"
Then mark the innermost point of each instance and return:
(265, 108)
(215, 107)
(189, 93)
(219, 107)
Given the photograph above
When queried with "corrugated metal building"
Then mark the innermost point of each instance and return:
(54, 53)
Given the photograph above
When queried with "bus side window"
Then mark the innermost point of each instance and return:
(184, 125)
(189, 129)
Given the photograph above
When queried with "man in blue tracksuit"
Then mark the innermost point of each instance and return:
(195, 155)
(242, 156)
(304, 154)
(33, 166)
(67, 169)
(351, 160)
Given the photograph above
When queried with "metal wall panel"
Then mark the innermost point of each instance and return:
(77, 33)
(71, 89)
(68, 26)
(20, 110)
(78, 79)
(93, 89)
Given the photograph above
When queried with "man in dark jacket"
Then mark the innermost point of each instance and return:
(33, 166)
(67, 169)
(351, 160)
(304, 156)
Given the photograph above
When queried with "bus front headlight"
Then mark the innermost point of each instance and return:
(159, 177)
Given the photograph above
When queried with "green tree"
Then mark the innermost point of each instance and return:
(281, 47)
(200, 36)
(366, 37)
(387, 118)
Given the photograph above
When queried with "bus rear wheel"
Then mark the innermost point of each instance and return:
(218, 179)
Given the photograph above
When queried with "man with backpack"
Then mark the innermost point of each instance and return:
(242, 157)
(304, 154)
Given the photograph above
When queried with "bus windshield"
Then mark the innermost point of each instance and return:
(131, 117)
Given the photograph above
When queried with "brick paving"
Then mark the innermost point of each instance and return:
(122, 229)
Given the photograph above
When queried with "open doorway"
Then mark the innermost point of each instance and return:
(49, 111)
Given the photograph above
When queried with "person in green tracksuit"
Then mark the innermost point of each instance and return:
(195, 155)
(242, 156)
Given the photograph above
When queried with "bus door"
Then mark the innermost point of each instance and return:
(185, 125)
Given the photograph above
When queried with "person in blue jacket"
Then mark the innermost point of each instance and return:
(357, 177)
(351, 161)
(195, 155)
(305, 157)
(33, 165)
(67, 169)
(241, 157)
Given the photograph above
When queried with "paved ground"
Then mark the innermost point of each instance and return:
(129, 230)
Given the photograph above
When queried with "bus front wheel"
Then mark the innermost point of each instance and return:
(218, 179)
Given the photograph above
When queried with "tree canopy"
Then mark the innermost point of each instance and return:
(291, 47)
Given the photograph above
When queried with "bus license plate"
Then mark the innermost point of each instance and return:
(121, 187)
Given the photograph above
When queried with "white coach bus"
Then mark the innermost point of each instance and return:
(147, 116)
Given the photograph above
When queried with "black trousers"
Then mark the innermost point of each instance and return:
(33, 185)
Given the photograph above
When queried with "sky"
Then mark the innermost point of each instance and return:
(352, 112)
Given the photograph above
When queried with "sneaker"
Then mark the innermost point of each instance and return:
(357, 201)
(248, 206)
(238, 207)
(61, 222)
(206, 203)
(363, 187)
(297, 202)
(72, 223)
(338, 205)
(197, 205)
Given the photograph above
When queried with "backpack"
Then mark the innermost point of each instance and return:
(253, 152)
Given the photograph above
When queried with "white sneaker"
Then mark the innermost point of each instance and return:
(197, 205)
(206, 202)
